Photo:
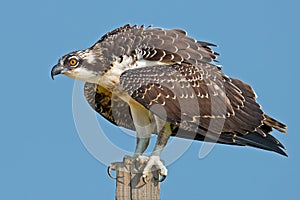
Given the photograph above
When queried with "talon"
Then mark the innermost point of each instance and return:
(163, 177)
(109, 172)
(145, 180)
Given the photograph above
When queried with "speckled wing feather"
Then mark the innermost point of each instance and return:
(108, 105)
(191, 93)
(154, 54)
(196, 98)
(126, 39)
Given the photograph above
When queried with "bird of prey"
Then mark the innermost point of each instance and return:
(158, 81)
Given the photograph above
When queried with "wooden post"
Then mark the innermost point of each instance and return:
(130, 184)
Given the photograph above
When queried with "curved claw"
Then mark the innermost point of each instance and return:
(163, 177)
(145, 180)
(109, 173)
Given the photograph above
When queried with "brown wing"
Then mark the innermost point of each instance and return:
(124, 40)
(201, 98)
(108, 105)
(193, 94)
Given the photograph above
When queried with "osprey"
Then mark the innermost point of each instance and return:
(158, 81)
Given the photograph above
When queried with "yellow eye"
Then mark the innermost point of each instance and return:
(73, 62)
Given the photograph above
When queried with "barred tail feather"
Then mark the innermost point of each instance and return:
(261, 137)
(273, 123)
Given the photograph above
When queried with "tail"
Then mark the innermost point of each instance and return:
(262, 138)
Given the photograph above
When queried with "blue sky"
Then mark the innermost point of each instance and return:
(42, 156)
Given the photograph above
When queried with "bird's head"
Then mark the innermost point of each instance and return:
(81, 65)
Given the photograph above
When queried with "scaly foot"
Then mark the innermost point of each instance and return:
(154, 161)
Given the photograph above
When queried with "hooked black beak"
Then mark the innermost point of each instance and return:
(57, 69)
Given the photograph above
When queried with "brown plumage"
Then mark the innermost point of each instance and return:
(179, 83)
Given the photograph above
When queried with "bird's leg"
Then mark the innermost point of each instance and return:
(164, 133)
(142, 142)
(144, 128)
(141, 145)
